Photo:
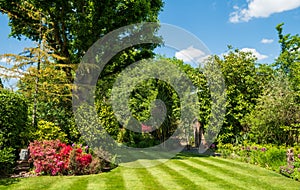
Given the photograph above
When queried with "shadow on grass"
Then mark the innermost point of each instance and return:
(8, 181)
(158, 155)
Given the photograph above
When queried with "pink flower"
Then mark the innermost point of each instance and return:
(146, 128)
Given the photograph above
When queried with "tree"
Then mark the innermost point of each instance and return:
(141, 102)
(75, 25)
(68, 29)
(43, 82)
(242, 90)
(289, 59)
(276, 117)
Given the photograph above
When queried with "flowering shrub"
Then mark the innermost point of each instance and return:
(79, 161)
(54, 157)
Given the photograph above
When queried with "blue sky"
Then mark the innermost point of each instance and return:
(240, 23)
(244, 24)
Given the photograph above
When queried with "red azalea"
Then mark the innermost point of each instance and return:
(79, 150)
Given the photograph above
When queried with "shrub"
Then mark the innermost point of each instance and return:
(48, 131)
(13, 130)
(13, 119)
(7, 158)
(49, 157)
(54, 157)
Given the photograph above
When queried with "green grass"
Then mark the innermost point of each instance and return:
(182, 172)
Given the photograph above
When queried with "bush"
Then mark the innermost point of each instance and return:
(49, 157)
(48, 131)
(13, 130)
(83, 163)
(7, 158)
(13, 119)
(54, 157)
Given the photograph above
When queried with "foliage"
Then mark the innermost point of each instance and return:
(85, 21)
(13, 119)
(54, 157)
(289, 59)
(14, 133)
(48, 131)
(242, 90)
(275, 117)
(63, 42)
(42, 81)
(144, 103)
(7, 158)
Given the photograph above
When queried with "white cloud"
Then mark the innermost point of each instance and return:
(262, 9)
(3, 60)
(190, 54)
(266, 41)
(9, 73)
(255, 53)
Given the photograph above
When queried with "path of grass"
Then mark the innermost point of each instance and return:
(182, 172)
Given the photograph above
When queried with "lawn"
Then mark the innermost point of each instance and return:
(182, 172)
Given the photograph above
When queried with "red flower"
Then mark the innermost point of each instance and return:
(78, 150)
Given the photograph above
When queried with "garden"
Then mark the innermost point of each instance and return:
(50, 141)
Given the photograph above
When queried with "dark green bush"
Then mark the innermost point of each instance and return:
(7, 158)
(13, 131)
(13, 119)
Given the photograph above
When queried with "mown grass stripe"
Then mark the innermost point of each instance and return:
(149, 181)
(236, 168)
(263, 177)
(242, 165)
(231, 179)
(131, 180)
(193, 177)
(207, 180)
(183, 181)
(236, 178)
(114, 179)
(35, 183)
(69, 183)
(165, 178)
(97, 181)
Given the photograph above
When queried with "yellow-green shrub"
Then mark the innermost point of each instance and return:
(49, 131)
